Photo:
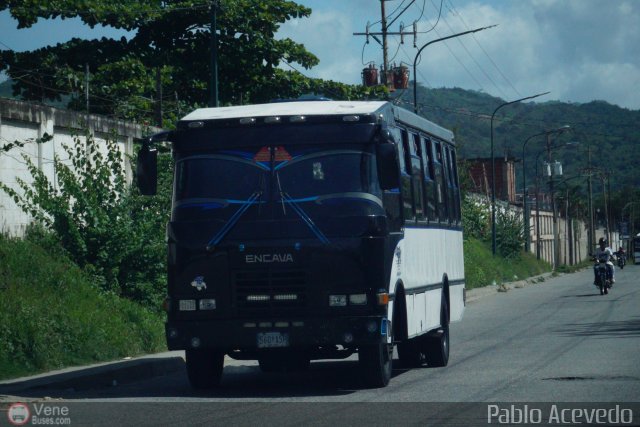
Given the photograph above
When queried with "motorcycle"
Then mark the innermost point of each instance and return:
(622, 260)
(603, 281)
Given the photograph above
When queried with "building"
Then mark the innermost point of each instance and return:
(481, 177)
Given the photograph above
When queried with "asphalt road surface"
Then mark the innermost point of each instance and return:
(555, 341)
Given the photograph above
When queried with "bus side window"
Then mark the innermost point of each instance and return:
(441, 183)
(416, 178)
(456, 185)
(405, 184)
(450, 185)
(429, 185)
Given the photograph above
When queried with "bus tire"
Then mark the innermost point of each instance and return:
(436, 344)
(376, 362)
(204, 368)
(410, 353)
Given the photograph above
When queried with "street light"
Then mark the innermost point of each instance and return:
(415, 60)
(493, 171)
(559, 130)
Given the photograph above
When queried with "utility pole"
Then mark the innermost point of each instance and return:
(384, 32)
(556, 249)
(213, 83)
(591, 236)
(86, 85)
(385, 59)
(158, 112)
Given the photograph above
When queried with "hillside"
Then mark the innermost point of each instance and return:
(612, 132)
(53, 315)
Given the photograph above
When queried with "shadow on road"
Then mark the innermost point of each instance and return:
(597, 293)
(324, 378)
(615, 329)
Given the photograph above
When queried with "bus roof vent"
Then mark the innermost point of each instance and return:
(248, 121)
(273, 119)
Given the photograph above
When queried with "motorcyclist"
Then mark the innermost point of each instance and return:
(604, 254)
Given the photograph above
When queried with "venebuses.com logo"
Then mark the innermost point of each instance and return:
(18, 414)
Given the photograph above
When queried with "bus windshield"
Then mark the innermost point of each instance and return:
(276, 175)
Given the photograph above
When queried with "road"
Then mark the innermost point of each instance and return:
(556, 341)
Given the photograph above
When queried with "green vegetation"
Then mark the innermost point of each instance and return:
(482, 269)
(573, 268)
(102, 223)
(54, 316)
(170, 43)
(510, 263)
(611, 133)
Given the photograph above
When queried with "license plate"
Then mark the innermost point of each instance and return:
(272, 339)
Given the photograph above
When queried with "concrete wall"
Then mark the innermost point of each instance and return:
(572, 234)
(26, 122)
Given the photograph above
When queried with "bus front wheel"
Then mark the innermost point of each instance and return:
(204, 368)
(376, 361)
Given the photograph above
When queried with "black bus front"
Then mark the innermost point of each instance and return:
(279, 243)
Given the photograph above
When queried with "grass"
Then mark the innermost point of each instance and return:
(482, 268)
(52, 316)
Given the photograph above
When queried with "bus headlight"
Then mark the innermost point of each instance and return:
(207, 304)
(358, 299)
(337, 300)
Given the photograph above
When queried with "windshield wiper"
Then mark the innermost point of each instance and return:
(307, 220)
(284, 211)
(232, 221)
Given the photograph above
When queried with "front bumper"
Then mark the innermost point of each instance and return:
(229, 335)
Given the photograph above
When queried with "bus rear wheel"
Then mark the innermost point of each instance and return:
(204, 368)
(436, 344)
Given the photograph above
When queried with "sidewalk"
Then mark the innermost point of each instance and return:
(475, 294)
(128, 370)
(101, 374)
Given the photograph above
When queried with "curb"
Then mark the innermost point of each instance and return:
(103, 375)
(476, 294)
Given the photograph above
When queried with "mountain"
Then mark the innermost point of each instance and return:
(611, 133)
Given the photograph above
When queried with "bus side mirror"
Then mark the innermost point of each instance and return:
(387, 162)
(147, 170)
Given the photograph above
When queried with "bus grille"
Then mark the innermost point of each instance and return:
(267, 289)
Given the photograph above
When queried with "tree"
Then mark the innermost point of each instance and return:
(172, 35)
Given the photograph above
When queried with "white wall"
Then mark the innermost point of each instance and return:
(26, 122)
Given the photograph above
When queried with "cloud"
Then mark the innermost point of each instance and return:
(578, 49)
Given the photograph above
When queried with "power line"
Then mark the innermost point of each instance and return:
(460, 62)
(456, 13)
(474, 60)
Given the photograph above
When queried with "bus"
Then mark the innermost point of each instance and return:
(310, 230)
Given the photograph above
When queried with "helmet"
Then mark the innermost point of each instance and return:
(602, 241)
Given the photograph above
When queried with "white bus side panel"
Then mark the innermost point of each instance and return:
(422, 259)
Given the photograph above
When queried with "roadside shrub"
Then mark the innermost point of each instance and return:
(509, 233)
(104, 225)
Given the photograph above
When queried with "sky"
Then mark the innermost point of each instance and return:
(579, 50)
